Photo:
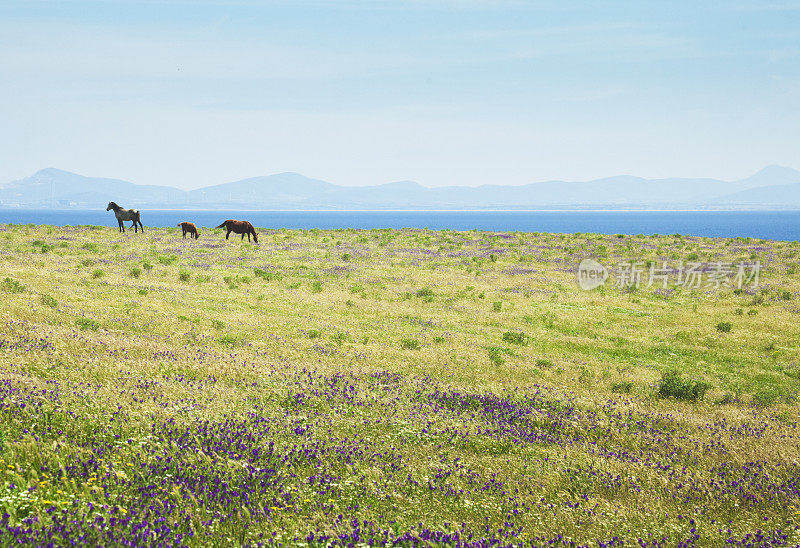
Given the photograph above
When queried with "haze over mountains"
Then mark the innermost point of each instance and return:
(773, 187)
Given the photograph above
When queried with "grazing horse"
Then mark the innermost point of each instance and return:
(239, 227)
(126, 215)
(190, 228)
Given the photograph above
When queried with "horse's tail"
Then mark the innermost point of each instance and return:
(222, 225)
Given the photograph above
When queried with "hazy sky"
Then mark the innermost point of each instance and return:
(191, 93)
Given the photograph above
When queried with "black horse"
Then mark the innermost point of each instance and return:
(126, 215)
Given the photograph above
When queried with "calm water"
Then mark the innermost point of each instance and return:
(775, 225)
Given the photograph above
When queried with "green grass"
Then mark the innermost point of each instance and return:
(404, 379)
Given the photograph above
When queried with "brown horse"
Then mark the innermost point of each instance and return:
(190, 228)
(239, 227)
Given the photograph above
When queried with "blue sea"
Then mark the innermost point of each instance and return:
(773, 225)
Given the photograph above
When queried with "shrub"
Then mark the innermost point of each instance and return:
(765, 397)
(12, 286)
(86, 324)
(143, 291)
(98, 274)
(91, 246)
(229, 340)
(438, 339)
(497, 306)
(147, 266)
(346, 257)
(673, 386)
(409, 344)
(786, 295)
(47, 300)
(426, 294)
(167, 260)
(314, 333)
(87, 262)
(515, 338)
(496, 355)
(316, 286)
(624, 387)
(544, 363)
(135, 272)
(265, 275)
(184, 276)
(218, 324)
(203, 279)
(724, 327)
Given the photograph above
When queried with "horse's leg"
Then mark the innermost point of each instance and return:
(121, 226)
(228, 234)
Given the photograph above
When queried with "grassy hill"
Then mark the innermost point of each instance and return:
(411, 387)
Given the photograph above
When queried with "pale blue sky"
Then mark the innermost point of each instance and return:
(192, 93)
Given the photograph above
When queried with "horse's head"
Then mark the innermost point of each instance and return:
(112, 205)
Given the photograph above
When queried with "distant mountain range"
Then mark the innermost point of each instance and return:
(773, 187)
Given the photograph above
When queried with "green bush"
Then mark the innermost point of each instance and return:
(98, 274)
(766, 397)
(314, 333)
(624, 387)
(47, 300)
(147, 265)
(316, 286)
(12, 286)
(229, 340)
(184, 276)
(135, 272)
(86, 324)
(544, 363)
(673, 386)
(497, 306)
(265, 275)
(515, 338)
(409, 344)
(724, 327)
(426, 294)
(496, 355)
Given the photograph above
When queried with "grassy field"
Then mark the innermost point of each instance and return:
(406, 387)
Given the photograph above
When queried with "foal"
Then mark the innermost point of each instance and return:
(190, 228)
(239, 227)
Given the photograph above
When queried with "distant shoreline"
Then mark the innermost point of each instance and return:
(554, 210)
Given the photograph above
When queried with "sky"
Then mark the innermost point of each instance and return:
(443, 92)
